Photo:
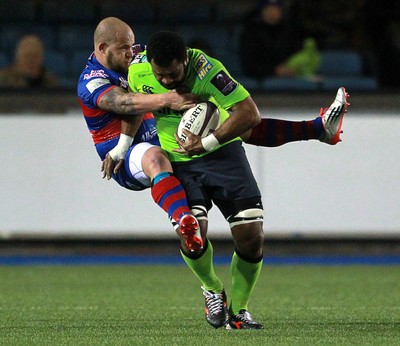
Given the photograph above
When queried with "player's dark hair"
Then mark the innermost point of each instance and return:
(165, 46)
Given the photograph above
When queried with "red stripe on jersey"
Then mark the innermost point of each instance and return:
(148, 116)
(90, 112)
(104, 92)
(111, 131)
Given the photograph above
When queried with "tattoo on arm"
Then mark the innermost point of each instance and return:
(118, 100)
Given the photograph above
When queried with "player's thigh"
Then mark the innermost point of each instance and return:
(134, 162)
(154, 161)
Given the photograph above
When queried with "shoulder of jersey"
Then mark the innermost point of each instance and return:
(139, 58)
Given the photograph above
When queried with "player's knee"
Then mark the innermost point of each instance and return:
(154, 161)
(249, 240)
(247, 232)
(246, 216)
(156, 156)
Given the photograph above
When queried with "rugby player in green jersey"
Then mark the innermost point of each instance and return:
(215, 169)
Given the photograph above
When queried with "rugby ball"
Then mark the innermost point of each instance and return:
(201, 120)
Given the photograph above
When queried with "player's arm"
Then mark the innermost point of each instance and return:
(115, 157)
(131, 106)
(244, 116)
(121, 101)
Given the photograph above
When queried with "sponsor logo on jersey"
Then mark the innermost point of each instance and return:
(224, 83)
(149, 135)
(147, 89)
(202, 65)
(96, 83)
(95, 73)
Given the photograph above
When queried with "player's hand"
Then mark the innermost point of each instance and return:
(108, 166)
(180, 102)
(192, 145)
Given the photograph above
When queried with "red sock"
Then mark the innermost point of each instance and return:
(275, 132)
(169, 194)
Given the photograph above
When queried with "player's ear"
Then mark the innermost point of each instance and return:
(102, 47)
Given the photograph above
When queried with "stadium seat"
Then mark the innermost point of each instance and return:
(340, 63)
(184, 13)
(78, 62)
(281, 84)
(56, 62)
(251, 84)
(219, 40)
(4, 60)
(232, 63)
(10, 35)
(132, 12)
(351, 83)
(344, 68)
(71, 11)
(75, 37)
(143, 31)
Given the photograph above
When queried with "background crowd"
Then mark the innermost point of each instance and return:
(258, 41)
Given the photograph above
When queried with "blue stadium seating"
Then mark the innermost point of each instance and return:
(281, 84)
(217, 36)
(4, 59)
(75, 37)
(67, 27)
(78, 62)
(143, 31)
(132, 12)
(11, 33)
(344, 68)
(351, 83)
(184, 12)
(56, 62)
(340, 63)
(68, 12)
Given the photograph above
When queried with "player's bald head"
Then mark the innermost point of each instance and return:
(110, 30)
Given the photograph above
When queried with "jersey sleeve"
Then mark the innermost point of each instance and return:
(90, 91)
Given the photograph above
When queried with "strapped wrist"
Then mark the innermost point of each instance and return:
(120, 150)
(209, 142)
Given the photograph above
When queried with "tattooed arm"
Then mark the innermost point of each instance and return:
(121, 101)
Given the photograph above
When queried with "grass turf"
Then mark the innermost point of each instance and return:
(163, 305)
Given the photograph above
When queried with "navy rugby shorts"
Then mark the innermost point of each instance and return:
(223, 177)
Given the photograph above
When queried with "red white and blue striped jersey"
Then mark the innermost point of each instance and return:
(105, 126)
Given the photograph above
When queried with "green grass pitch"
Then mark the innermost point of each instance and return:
(163, 305)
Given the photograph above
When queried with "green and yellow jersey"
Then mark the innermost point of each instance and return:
(205, 76)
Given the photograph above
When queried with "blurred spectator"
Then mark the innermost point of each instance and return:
(267, 39)
(302, 64)
(27, 71)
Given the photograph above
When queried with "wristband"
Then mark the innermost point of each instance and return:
(120, 150)
(209, 142)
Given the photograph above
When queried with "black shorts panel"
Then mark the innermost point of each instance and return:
(223, 176)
